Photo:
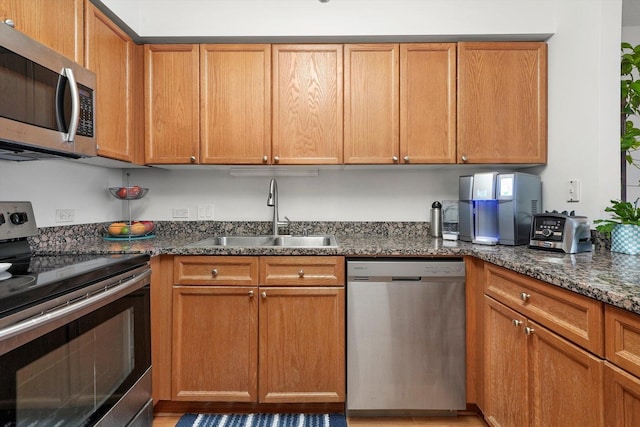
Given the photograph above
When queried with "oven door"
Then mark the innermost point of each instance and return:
(79, 373)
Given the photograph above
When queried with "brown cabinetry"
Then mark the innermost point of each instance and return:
(502, 102)
(307, 104)
(622, 398)
(172, 103)
(400, 102)
(118, 64)
(274, 324)
(57, 24)
(529, 365)
(235, 94)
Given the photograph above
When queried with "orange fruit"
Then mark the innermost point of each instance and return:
(138, 228)
(116, 228)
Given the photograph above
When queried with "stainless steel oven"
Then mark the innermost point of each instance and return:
(75, 344)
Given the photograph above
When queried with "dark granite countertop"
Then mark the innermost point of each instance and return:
(605, 276)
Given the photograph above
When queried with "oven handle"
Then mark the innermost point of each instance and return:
(22, 332)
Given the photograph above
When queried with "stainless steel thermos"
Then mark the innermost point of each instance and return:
(436, 219)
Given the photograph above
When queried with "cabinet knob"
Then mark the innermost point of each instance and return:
(192, 159)
(250, 294)
(525, 296)
(406, 159)
(516, 322)
(214, 272)
(464, 158)
(276, 159)
(264, 159)
(395, 159)
(301, 273)
(263, 294)
(10, 23)
(529, 331)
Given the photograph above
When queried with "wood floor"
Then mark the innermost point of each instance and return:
(466, 421)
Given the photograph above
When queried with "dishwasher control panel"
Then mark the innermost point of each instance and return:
(399, 269)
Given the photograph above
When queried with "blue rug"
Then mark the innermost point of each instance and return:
(262, 420)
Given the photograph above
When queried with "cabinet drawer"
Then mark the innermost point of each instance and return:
(622, 332)
(302, 271)
(215, 270)
(575, 317)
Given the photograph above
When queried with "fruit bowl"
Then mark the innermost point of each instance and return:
(124, 229)
(128, 193)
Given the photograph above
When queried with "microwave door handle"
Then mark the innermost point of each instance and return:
(75, 104)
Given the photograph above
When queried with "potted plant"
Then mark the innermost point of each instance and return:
(624, 226)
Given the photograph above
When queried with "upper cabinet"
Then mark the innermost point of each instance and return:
(428, 103)
(371, 74)
(118, 64)
(235, 97)
(502, 102)
(307, 104)
(55, 23)
(172, 103)
(400, 103)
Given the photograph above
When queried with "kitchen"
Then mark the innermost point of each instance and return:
(347, 194)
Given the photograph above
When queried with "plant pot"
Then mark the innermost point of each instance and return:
(625, 238)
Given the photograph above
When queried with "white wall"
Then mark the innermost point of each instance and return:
(583, 114)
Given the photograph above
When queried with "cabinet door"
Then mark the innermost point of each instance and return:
(307, 104)
(57, 24)
(117, 62)
(302, 345)
(371, 106)
(235, 93)
(506, 401)
(428, 103)
(302, 271)
(215, 339)
(502, 102)
(622, 398)
(557, 367)
(172, 103)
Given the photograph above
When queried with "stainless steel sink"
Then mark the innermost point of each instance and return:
(324, 241)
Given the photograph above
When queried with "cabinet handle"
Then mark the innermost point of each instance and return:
(464, 158)
(10, 23)
(516, 322)
(301, 274)
(529, 331)
(525, 296)
(192, 159)
(250, 294)
(395, 159)
(264, 159)
(263, 294)
(406, 159)
(214, 272)
(276, 159)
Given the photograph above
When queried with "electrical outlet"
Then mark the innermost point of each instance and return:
(180, 212)
(65, 215)
(205, 212)
(573, 190)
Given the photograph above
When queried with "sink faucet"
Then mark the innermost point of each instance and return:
(272, 200)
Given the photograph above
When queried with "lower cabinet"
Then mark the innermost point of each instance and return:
(622, 398)
(534, 377)
(238, 340)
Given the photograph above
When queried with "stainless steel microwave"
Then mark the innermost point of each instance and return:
(47, 101)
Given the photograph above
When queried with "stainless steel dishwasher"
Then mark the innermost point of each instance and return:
(405, 336)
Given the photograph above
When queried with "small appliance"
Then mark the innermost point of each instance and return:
(561, 232)
(497, 208)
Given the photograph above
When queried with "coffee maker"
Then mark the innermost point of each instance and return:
(497, 208)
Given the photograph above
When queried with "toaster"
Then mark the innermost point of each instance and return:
(560, 232)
